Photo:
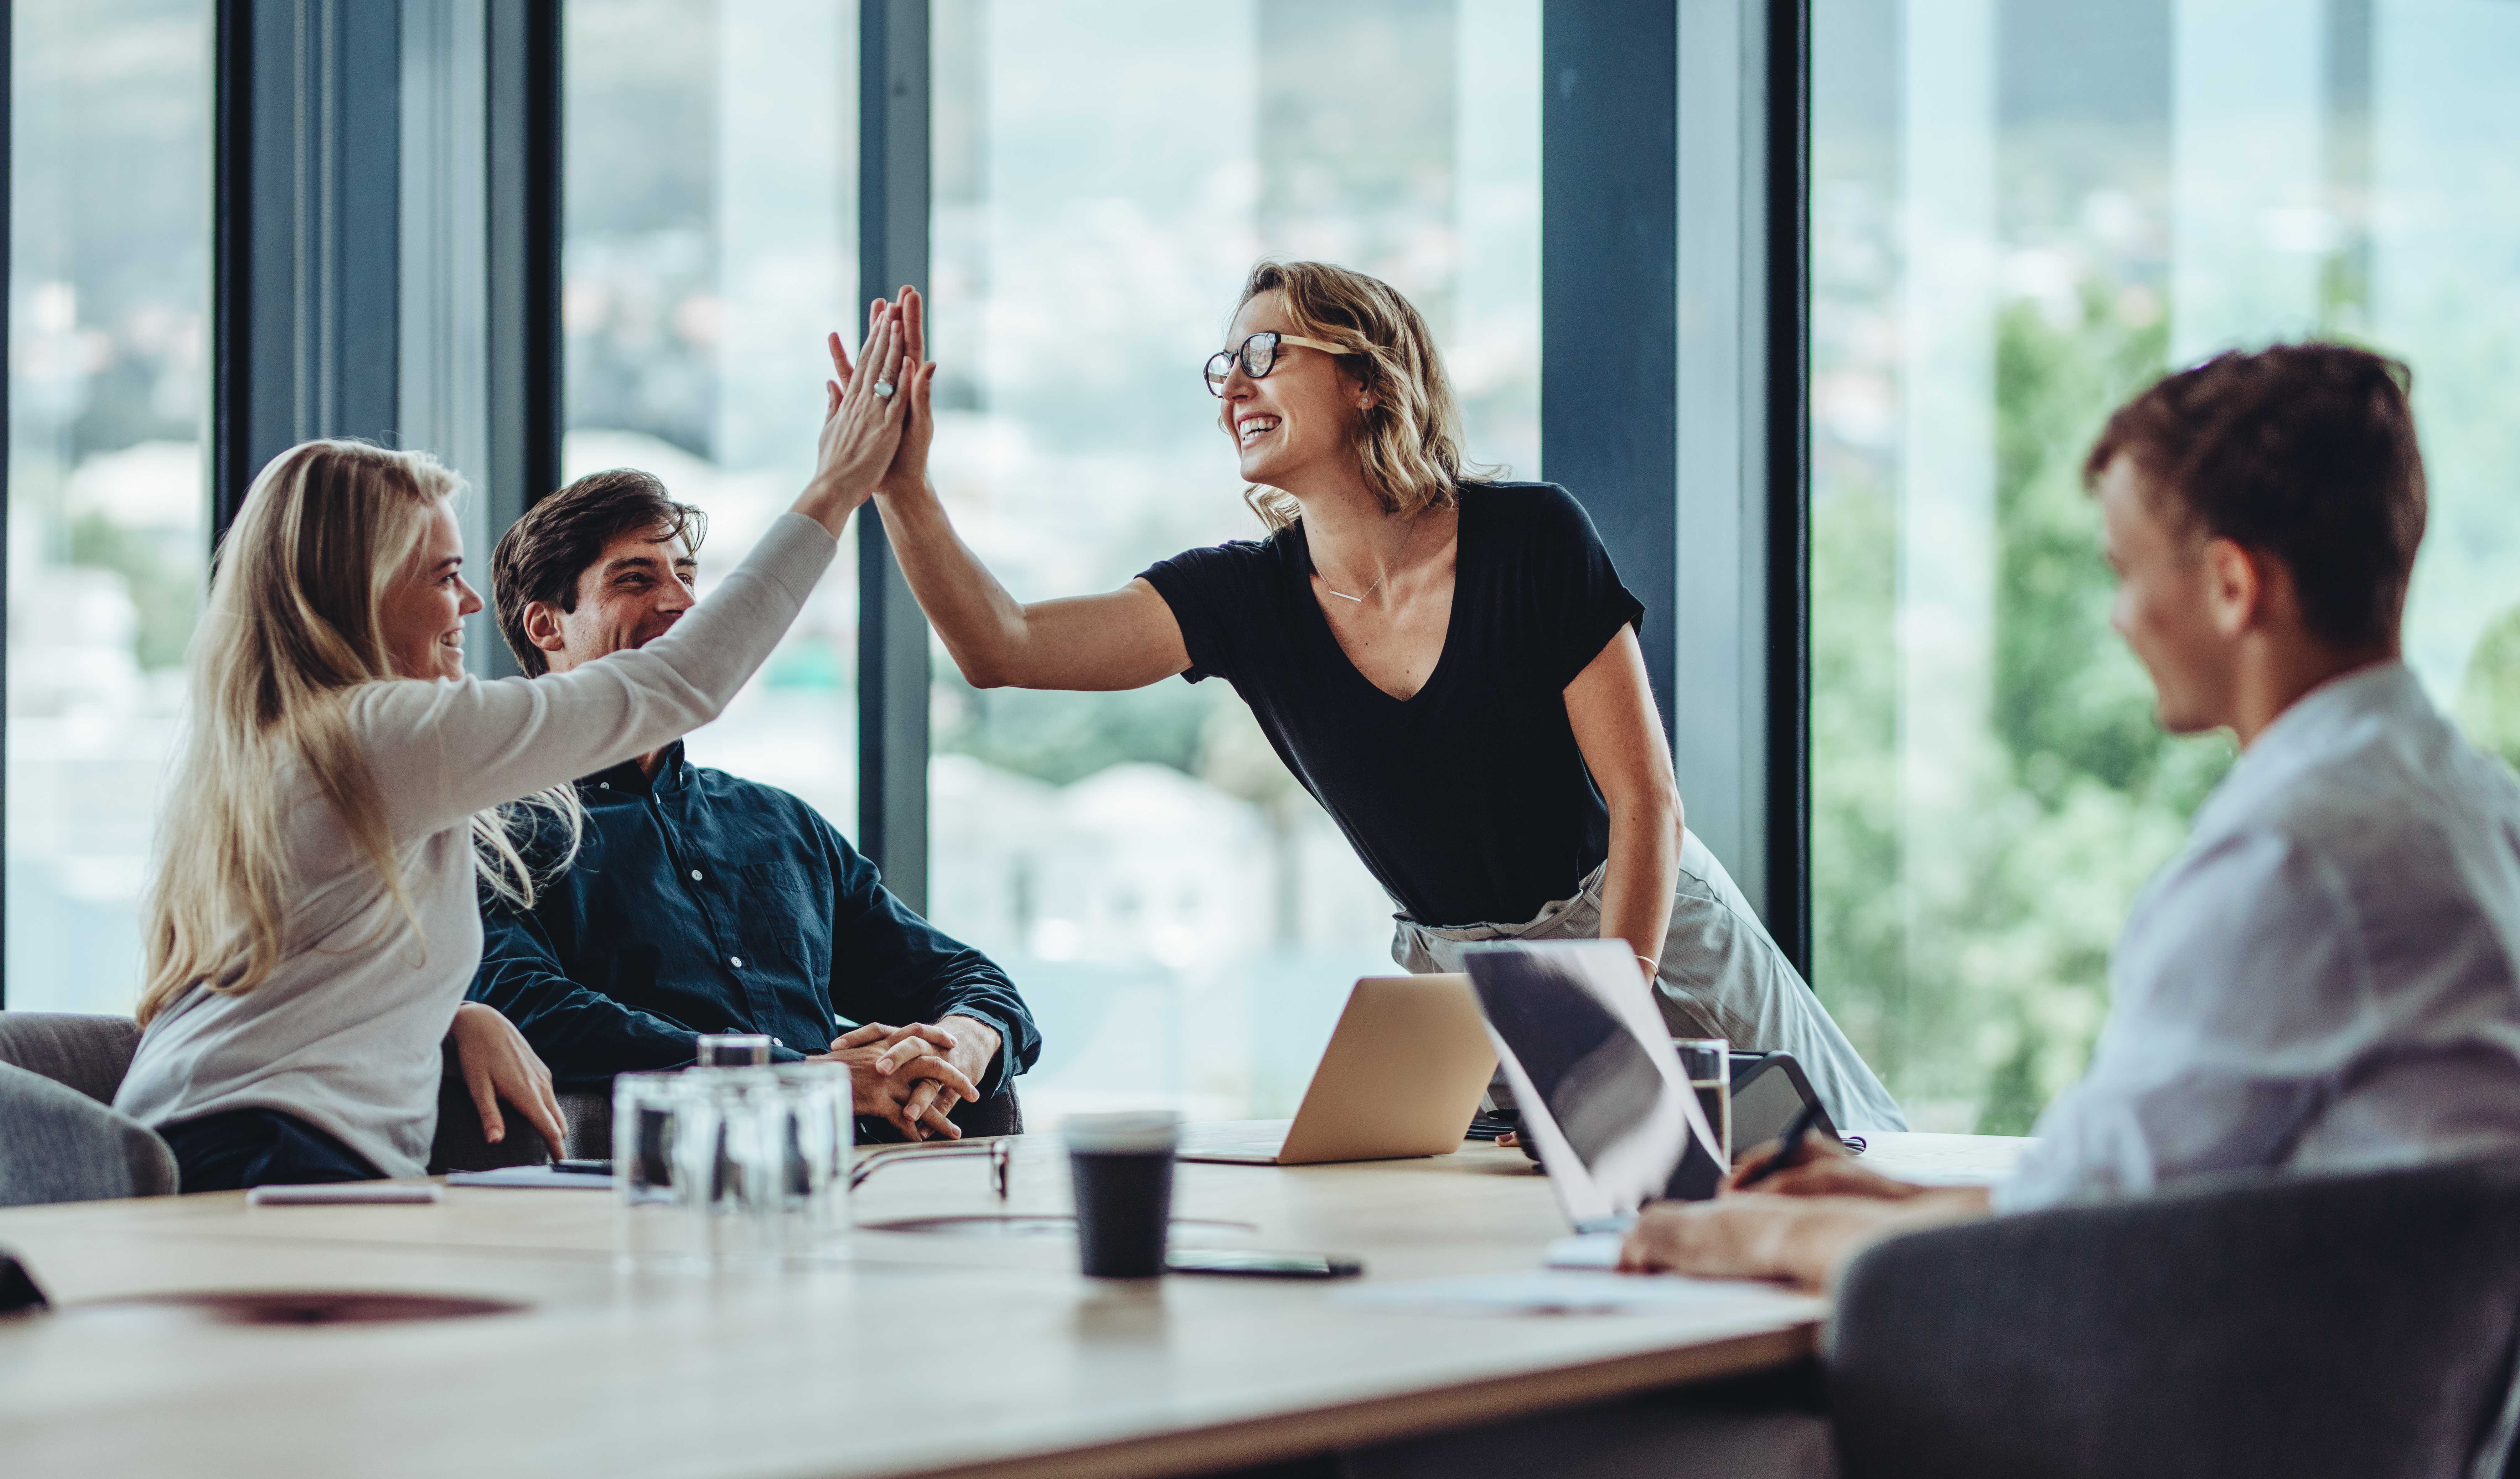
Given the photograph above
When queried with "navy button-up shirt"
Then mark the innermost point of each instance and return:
(703, 903)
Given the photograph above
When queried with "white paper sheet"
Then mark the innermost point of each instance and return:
(1555, 1291)
(1584, 1250)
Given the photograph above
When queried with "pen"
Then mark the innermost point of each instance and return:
(1789, 1143)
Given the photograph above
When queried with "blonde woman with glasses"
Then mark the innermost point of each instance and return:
(312, 923)
(1449, 664)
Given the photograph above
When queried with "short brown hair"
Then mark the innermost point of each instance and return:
(1410, 439)
(2306, 452)
(543, 553)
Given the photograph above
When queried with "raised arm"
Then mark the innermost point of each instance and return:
(1123, 639)
(443, 750)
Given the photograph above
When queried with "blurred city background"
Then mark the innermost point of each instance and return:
(2021, 209)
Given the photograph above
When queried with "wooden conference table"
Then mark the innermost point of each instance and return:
(892, 1352)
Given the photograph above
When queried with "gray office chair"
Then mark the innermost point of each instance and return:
(2357, 1325)
(61, 1139)
(88, 1052)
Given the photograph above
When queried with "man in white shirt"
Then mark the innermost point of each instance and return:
(2323, 979)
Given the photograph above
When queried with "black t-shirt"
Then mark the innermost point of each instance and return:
(1470, 800)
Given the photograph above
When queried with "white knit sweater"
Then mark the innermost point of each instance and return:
(344, 1033)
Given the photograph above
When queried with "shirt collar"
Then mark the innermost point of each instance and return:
(2308, 729)
(673, 773)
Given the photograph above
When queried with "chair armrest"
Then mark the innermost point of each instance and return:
(86, 1050)
(59, 1144)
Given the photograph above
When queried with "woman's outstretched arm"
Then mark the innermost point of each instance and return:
(1123, 639)
(1610, 707)
(444, 751)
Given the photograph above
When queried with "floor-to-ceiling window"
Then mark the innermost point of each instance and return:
(109, 286)
(2021, 211)
(711, 242)
(1184, 918)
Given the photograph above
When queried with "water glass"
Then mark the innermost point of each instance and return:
(730, 1159)
(818, 1114)
(726, 1164)
(1708, 1062)
(655, 1211)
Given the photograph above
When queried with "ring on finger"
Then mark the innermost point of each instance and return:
(883, 389)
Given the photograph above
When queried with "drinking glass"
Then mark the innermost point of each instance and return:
(731, 1159)
(1708, 1062)
(655, 1208)
(818, 1117)
(727, 1164)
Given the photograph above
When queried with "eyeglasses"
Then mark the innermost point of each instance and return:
(873, 1158)
(1259, 356)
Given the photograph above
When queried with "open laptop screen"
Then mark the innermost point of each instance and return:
(1591, 1065)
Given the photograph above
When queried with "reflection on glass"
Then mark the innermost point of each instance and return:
(109, 286)
(711, 240)
(2021, 211)
(1184, 920)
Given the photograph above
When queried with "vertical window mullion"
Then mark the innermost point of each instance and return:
(893, 635)
(1786, 232)
(524, 256)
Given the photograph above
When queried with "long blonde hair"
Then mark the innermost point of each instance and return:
(292, 628)
(1409, 440)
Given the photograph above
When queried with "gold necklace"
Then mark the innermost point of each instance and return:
(1415, 519)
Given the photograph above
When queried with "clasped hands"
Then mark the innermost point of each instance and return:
(912, 1077)
(1799, 1225)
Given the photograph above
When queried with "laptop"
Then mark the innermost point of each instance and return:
(1404, 1072)
(1600, 1089)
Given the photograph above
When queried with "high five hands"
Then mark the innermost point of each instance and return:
(909, 466)
(861, 424)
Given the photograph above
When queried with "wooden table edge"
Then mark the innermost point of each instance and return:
(1295, 1435)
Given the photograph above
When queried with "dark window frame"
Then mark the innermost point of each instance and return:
(305, 284)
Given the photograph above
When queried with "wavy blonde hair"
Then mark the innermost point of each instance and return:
(292, 628)
(1409, 439)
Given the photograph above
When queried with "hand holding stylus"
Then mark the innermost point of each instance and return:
(1789, 1148)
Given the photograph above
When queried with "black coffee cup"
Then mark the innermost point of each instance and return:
(1122, 1168)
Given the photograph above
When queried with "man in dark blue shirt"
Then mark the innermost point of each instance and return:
(699, 902)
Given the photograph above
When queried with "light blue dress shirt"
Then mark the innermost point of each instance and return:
(2323, 979)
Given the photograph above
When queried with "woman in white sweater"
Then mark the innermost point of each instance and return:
(312, 925)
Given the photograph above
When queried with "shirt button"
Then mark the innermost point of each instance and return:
(603, 786)
(735, 961)
(695, 875)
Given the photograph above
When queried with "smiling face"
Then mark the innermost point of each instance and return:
(2183, 602)
(422, 613)
(639, 586)
(1299, 419)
